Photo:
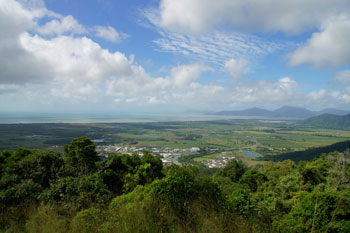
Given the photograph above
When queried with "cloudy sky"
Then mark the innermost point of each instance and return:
(166, 55)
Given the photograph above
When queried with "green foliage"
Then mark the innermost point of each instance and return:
(88, 220)
(136, 211)
(41, 192)
(318, 212)
(179, 202)
(131, 162)
(233, 170)
(8, 158)
(278, 169)
(79, 192)
(46, 219)
(25, 191)
(81, 154)
(253, 179)
(315, 172)
(41, 167)
(24, 180)
(289, 184)
(240, 201)
(177, 189)
(141, 171)
(112, 173)
(150, 169)
(339, 174)
(225, 184)
(18, 154)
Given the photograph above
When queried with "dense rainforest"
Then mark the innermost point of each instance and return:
(46, 191)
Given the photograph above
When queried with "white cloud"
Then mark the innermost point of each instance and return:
(181, 82)
(13, 20)
(79, 66)
(60, 26)
(328, 48)
(135, 82)
(183, 76)
(342, 77)
(327, 98)
(6, 88)
(17, 65)
(197, 16)
(283, 91)
(216, 47)
(184, 23)
(109, 33)
(72, 70)
(76, 58)
(76, 92)
(32, 4)
(236, 68)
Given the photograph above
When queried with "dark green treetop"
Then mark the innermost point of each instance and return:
(81, 154)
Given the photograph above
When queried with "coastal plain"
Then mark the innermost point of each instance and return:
(216, 140)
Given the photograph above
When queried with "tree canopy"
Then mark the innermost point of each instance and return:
(45, 191)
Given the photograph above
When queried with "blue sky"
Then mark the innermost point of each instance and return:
(164, 55)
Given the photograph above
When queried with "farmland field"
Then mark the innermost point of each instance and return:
(215, 138)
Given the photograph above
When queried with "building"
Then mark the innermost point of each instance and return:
(195, 149)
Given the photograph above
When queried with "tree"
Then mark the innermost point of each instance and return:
(150, 169)
(234, 170)
(25, 179)
(80, 153)
(80, 192)
(42, 167)
(317, 212)
(131, 162)
(88, 220)
(141, 171)
(315, 172)
(112, 173)
(178, 188)
(253, 179)
(240, 201)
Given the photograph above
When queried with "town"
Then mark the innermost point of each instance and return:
(168, 156)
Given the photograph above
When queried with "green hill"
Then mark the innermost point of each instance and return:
(329, 121)
(309, 154)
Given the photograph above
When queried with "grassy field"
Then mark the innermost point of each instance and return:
(266, 138)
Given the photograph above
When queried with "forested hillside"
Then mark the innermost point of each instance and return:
(329, 121)
(45, 191)
(309, 154)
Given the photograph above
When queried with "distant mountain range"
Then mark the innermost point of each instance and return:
(283, 112)
(329, 121)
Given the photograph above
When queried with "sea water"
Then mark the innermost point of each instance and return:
(30, 117)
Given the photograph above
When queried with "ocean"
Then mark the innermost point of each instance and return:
(32, 117)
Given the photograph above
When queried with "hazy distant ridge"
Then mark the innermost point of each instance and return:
(283, 112)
